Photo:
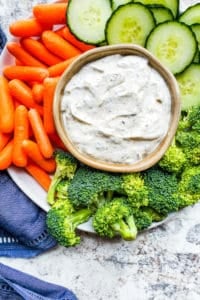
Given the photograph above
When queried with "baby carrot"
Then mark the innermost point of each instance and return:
(28, 60)
(32, 151)
(18, 62)
(21, 132)
(49, 89)
(26, 28)
(58, 69)
(68, 36)
(6, 106)
(52, 14)
(4, 138)
(38, 92)
(58, 46)
(23, 94)
(26, 73)
(39, 175)
(40, 52)
(40, 134)
(6, 156)
(57, 142)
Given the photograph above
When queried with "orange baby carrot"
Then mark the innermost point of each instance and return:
(55, 139)
(38, 92)
(21, 132)
(39, 175)
(50, 14)
(26, 28)
(49, 89)
(6, 106)
(39, 133)
(18, 62)
(26, 73)
(68, 36)
(23, 94)
(32, 151)
(28, 60)
(40, 52)
(4, 138)
(6, 156)
(58, 69)
(59, 46)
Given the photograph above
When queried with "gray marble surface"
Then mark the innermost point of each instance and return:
(162, 264)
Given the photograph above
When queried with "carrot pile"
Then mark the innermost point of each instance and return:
(45, 48)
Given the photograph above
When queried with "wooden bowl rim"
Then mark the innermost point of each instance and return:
(97, 53)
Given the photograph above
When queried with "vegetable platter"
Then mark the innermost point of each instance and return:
(162, 24)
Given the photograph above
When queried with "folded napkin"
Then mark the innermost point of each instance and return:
(23, 224)
(16, 285)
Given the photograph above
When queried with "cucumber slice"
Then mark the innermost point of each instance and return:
(197, 57)
(161, 14)
(117, 3)
(191, 15)
(130, 23)
(87, 19)
(173, 5)
(188, 82)
(174, 44)
(196, 30)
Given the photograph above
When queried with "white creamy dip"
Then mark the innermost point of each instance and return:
(116, 109)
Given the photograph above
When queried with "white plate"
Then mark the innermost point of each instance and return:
(27, 183)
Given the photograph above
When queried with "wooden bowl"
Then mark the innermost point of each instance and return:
(97, 53)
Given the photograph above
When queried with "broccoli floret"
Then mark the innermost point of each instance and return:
(189, 186)
(66, 166)
(115, 218)
(194, 118)
(62, 221)
(145, 216)
(162, 189)
(173, 160)
(90, 187)
(134, 188)
(193, 156)
(188, 139)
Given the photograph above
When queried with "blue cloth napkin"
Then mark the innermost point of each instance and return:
(23, 231)
(16, 285)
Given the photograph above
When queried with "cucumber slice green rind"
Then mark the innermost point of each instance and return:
(188, 82)
(173, 5)
(174, 44)
(116, 3)
(161, 14)
(196, 30)
(191, 15)
(87, 20)
(130, 23)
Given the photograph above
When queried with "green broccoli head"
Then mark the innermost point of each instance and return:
(115, 218)
(193, 156)
(187, 139)
(134, 188)
(190, 180)
(194, 118)
(62, 222)
(66, 166)
(145, 216)
(90, 187)
(162, 188)
(173, 160)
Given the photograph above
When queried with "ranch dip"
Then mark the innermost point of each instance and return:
(116, 109)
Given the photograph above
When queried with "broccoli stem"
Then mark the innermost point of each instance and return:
(126, 228)
(80, 216)
(52, 190)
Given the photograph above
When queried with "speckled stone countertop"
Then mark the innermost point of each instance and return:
(162, 264)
